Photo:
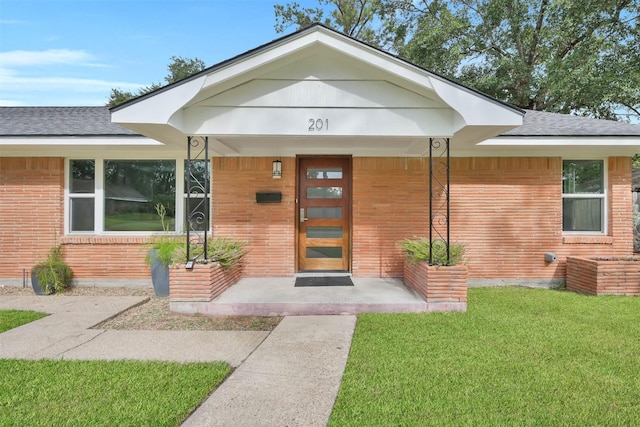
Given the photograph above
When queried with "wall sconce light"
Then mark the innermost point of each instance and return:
(277, 169)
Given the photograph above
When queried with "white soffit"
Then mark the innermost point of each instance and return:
(320, 75)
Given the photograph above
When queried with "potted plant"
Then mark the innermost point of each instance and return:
(444, 281)
(51, 275)
(161, 254)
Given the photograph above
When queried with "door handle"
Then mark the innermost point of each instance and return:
(302, 217)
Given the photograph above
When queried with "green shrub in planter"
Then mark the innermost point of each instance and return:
(418, 249)
(227, 252)
(53, 274)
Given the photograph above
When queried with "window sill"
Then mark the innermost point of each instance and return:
(587, 240)
(103, 240)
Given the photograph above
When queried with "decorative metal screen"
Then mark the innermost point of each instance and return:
(197, 203)
(439, 184)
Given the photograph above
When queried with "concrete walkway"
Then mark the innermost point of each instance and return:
(288, 377)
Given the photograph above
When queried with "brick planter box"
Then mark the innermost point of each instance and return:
(437, 284)
(604, 276)
(203, 283)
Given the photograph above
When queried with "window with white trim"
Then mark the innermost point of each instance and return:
(583, 196)
(122, 195)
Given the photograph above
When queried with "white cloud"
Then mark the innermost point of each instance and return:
(58, 75)
(11, 103)
(12, 82)
(21, 58)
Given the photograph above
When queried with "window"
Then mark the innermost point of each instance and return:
(82, 188)
(133, 189)
(583, 196)
(122, 195)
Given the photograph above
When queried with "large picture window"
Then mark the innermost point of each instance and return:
(583, 196)
(107, 195)
(133, 189)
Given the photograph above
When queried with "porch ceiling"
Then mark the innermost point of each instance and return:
(316, 92)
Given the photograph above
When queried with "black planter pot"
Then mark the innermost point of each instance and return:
(159, 275)
(36, 285)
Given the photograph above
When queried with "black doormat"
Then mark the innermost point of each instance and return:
(324, 281)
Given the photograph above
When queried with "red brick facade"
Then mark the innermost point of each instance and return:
(437, 283)
(202, 283)
(507, 210)
(610, 276)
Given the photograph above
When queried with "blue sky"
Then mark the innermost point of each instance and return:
(72, 52)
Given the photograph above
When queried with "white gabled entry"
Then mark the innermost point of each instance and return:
(317, 92)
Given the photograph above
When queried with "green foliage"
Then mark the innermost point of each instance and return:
(526, 357)
(354, 18)
(173, 249)
(101, 393)
(10, 319)
(561, 56)
(166, 250)
(418, 249)
(53, 274)
(179, 68)
(227, 252)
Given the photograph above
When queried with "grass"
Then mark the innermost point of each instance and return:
(517, 357)
(100, 393)
(10, 319)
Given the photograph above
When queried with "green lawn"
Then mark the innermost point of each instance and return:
(10, 319)
(99, 393)
(516, 357)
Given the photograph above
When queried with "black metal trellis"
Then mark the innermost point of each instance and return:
(439, 184)
(197, 218)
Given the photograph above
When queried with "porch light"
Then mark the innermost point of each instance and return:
(277, 169)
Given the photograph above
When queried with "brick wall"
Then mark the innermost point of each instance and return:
(268, 227)
(604, 277)
(390, 202)
(202, 283)
(437, 284)
(507, 210)
(31, 212)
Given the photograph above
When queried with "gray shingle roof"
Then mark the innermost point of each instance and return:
(58, 121)
(540, 123)
(96, 121)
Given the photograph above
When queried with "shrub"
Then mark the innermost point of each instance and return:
(225, 251)
(53, 274)
(418, 249)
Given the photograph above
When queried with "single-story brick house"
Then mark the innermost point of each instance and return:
(351, 126)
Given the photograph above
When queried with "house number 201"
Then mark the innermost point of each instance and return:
(318, 124)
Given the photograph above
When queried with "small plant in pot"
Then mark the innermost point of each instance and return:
(161, 254)
(51, 275)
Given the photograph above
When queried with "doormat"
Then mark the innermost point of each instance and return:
(324, 281)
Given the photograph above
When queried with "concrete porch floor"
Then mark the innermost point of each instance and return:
(277, 296)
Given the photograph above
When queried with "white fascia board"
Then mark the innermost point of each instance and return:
(160, 107)
(552, 146)
(568, 141)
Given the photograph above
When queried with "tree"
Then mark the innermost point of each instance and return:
(179, 68)
(354, 18)
(566, 56)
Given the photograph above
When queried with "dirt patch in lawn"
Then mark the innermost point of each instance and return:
(154, 314)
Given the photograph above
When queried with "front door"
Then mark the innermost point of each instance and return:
(324, 211)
